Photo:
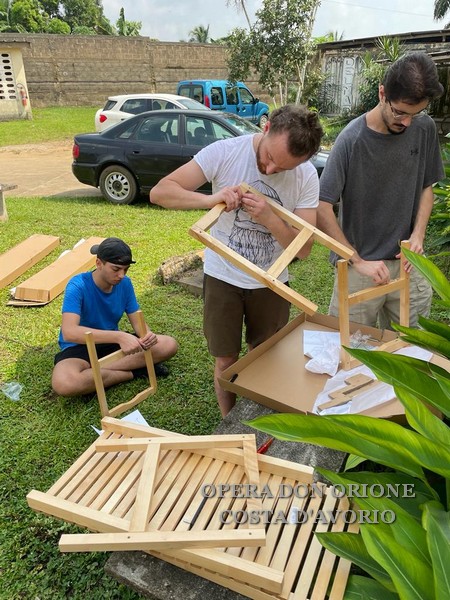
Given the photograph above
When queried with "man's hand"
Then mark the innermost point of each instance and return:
(149, 340)
(257, 208)
(129, 344)
(376, 269)
(231, 196)
(415, 245)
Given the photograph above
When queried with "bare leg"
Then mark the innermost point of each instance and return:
(73, 377)
(225, 398)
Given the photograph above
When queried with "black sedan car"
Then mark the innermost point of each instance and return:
(128, 159)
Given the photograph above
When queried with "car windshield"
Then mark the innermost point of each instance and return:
(193, 104)
(242, 124)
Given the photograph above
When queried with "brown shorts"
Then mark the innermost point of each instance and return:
(227, 308)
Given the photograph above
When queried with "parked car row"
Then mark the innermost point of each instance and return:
(129, 158)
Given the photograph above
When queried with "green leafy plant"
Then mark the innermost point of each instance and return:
(439, 226)
(408, 558)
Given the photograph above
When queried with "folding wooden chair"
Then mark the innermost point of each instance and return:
(346, 300)
(98, 363)
(269, 277)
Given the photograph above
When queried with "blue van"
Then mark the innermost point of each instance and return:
(219, 94)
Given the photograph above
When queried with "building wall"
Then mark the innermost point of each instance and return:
(342, 64)
(73, 70)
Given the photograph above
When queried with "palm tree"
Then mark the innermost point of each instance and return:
(199, 34)
(240, 5)
(441, 8)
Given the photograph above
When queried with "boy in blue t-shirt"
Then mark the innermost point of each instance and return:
(96, 301)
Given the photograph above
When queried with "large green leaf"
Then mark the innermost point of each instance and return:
(363, 588)
(423, 420)
(431, 272)
(351, 547)
(418, 376)
(441, 329)
(412, 492)
(413, 579)
(377, 439)
(405, 528)
(425, 339)
(444, 383)
(437, 524)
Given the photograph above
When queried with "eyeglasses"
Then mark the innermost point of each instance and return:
(398, 114)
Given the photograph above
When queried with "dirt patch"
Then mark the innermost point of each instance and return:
(42, 170)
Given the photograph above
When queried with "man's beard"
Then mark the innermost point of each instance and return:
(396, 131)
(261, 167)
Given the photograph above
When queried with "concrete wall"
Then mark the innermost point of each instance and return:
(73, 70)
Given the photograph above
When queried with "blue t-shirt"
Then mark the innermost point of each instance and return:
(97, 309)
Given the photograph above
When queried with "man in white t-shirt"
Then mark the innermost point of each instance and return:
(276, 163)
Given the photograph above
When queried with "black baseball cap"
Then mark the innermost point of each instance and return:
(113, 250)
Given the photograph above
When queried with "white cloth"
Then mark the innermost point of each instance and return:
(231, 162)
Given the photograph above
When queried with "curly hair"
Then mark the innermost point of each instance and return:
(303, 128)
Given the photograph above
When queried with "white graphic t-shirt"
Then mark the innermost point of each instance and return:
(231, 162)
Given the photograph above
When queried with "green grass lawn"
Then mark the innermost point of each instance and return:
(49, 124)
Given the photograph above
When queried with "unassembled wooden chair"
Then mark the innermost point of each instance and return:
(269, 278)
(346, 300)
(98, 363)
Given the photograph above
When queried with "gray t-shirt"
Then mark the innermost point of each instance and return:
(379, 179)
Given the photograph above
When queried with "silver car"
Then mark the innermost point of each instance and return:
(119, 108)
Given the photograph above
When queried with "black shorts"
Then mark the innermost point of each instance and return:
(81, 351)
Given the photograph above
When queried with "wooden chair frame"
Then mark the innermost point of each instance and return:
(142, 534)
(346, 300)
(269, 277)
(98, 363)
(104, 492)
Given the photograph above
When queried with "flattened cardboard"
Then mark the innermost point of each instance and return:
(25, 255)
(43, 287)
(274, 374)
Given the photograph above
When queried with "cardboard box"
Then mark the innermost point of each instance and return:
(25, 255)
(50, 282)
(274, 374)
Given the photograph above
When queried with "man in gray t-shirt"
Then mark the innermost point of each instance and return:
(382, 168)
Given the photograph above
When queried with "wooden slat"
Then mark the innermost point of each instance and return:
(144, 494)
(308, 571)
(74, 513)
(93, 542)
(290, 253)
(327, 566)
(252, 472)
(299, 223)
(176, 443)
(233, 566)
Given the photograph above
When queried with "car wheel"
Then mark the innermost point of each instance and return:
(118, 185)
(263, 121)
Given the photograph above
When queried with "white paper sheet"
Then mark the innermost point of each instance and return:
(134, 417)
(364, 400)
